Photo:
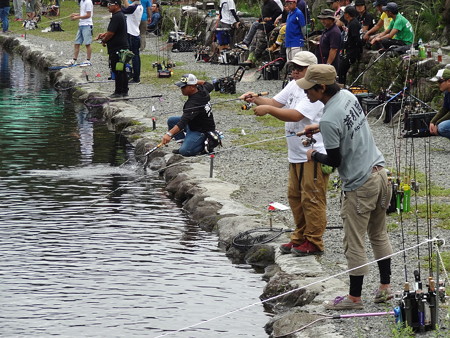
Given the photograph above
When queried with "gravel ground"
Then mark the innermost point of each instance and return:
(262, 175)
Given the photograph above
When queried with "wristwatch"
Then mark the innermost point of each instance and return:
(169, 133)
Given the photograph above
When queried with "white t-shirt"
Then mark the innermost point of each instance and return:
(86, 6)
(279, 3)
(134, 20)
(226, 6)
(293, 97)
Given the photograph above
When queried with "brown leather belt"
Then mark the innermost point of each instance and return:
(376, 168)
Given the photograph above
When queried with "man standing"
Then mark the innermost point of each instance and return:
(440, 124)
(18, 10)
(145, 20)
(116, 39)
(4, 12)
(352, 44)
(330, 42)
(307, 183)
(295, 30)
(84, 34)
(351, 148)
(399, 32)
(197, 118)
(227, 20)
(133, 14)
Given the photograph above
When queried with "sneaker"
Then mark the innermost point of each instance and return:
(307, 248)
(133, 81)
(382, 296)
(242, 45)
(176, 151)
(286, 248)
(86, 63)
(343, 303)
(71, 62)
(115, 96)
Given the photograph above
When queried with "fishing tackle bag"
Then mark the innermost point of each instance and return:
(213, 140)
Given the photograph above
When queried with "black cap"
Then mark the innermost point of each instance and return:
(391, 7)
(115, 2)
(360, 2)
(380, 3)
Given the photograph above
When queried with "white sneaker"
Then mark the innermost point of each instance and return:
(71, 62)
(86, 63)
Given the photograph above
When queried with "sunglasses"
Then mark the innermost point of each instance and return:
(111, 4)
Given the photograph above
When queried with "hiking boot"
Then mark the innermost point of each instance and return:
(286, 248)
(383, 295)
(115, 96)
(307, 248)
(242, 45)
(343, 303)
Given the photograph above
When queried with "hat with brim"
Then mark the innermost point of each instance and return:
(380, 3)
(326, 14)
(115, 2)
(318, 74)
(304, 59)
(442, 74)
(187, 80)
(390, 7)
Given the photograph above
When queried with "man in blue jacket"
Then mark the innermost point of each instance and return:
(295, 30)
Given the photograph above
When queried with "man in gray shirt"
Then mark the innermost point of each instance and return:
(351, 149)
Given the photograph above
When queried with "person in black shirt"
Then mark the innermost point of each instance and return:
(116, 39)
(197, 118)
(366, 19)
(352, 47)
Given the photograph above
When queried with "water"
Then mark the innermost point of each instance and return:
(89, 246)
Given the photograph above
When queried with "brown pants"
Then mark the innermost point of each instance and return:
(364, 211)
(307, 195)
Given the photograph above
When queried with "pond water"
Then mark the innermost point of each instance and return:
(90, 245)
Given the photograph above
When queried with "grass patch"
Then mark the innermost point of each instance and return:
(440, 211)
(270, 144)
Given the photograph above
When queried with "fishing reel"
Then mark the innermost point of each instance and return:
(247, 106)
(308, 141)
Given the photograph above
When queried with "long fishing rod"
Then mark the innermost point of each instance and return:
(371, 65)
(102, 100)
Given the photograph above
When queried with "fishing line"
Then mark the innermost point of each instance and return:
(325, 316)
(297, 289)
(104, 100)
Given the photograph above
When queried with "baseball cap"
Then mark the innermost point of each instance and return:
(115, 2)
(290, 1)
(380, 3)
(304, 58)
(442, 74)
(326, 14)
(186, 80)
(331, 1)
(318, 74)
(360, 3)
(391, 7)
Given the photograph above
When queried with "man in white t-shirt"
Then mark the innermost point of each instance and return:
(84, 34)
(133, 13)
(307, 182)
(228, 20)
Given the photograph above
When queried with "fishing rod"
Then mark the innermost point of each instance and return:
(324, 317)
(102, 100)
(371, 65)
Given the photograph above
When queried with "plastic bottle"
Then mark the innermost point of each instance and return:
(406, 198)
(429, 52)
(439, 55)
(422, 52)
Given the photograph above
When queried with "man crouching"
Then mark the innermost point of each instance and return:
(190, 129)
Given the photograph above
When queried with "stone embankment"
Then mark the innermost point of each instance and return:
(244, 182)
